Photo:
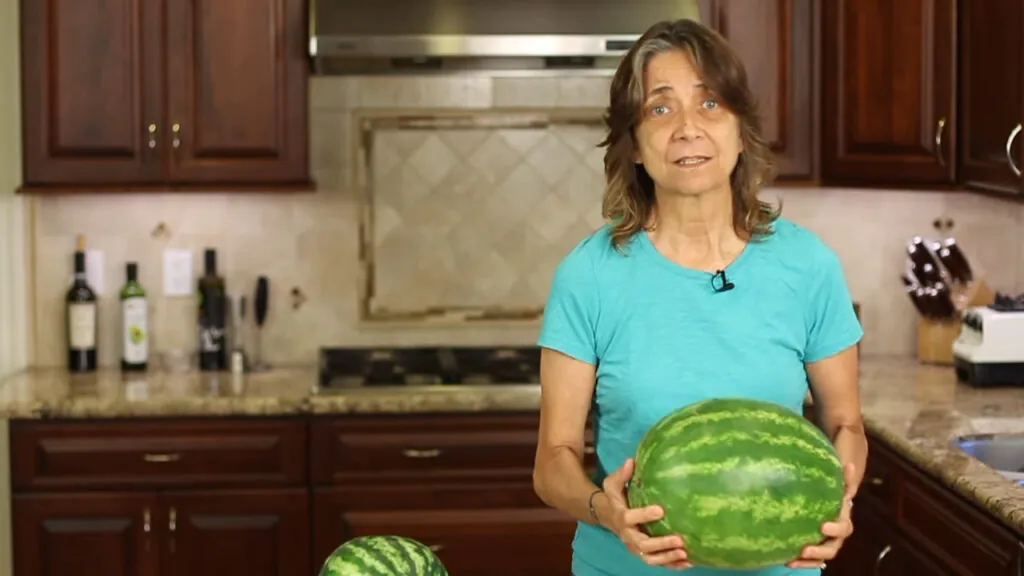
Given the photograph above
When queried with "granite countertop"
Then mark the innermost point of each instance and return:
(915, 409)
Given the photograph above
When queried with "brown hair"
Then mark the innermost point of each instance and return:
(629, 195)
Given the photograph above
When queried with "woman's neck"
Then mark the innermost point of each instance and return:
(696, 231)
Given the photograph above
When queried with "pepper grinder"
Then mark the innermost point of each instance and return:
(261, 302)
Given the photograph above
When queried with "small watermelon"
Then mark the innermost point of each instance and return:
(747, 483)
(381, 555)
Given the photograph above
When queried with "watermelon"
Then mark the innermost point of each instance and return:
(382, 555)
(746, 483)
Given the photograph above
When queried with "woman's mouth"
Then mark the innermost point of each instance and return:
(692, 161)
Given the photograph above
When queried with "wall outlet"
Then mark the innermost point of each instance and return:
(94, 270)
(178, 273)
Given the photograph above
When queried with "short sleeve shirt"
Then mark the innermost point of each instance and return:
(663, 336)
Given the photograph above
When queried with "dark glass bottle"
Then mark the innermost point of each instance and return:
(81, 318)
(213, 352)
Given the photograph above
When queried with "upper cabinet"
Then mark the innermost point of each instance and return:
(889, 91)
(923, 93)
(992, 94)
(130, 94)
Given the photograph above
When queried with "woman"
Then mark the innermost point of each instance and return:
(695, 289)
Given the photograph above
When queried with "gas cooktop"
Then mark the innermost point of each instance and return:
(419, 366)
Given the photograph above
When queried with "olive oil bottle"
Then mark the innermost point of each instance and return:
(134, 322)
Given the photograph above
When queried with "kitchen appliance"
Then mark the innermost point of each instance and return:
(357, 367)
(989, 351)
(366, 37)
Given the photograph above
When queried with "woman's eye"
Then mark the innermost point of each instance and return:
(711, 104)
(659, 109)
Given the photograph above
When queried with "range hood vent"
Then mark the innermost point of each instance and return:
(423, 36)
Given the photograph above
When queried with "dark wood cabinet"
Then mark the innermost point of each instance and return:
(275, 496)
(130, 94)
(991, 46)
(461, 484)
(160, 497)
(91, 534)
(906, 523)
(773, 38)
(889, 78)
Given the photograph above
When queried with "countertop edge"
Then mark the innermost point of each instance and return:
(984, 487)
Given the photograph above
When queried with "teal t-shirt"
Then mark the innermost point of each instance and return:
(662, 337)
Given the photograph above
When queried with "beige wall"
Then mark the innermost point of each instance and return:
(310, 241)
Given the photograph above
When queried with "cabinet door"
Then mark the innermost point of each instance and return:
(992, 94)
(510, 542)
(867, 551)
(237, 533)
(237, 77)
(102, 534)
(888, 87)
(91, 91)
(466, 523)
(774, 40)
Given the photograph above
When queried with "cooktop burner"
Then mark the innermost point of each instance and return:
(418, 366)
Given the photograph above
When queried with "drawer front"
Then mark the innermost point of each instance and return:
(385, 450)
(122, 454)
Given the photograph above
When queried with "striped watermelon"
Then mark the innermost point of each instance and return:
(383, 556)
(747, 483)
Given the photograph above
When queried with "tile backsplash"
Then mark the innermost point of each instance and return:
(472, 212)
(437, 239)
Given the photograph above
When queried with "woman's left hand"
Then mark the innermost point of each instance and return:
(836, 532)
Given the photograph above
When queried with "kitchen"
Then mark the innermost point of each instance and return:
(881, 138)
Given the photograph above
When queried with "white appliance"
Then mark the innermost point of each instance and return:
(989, 351)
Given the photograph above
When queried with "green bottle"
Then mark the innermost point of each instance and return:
(134, 323)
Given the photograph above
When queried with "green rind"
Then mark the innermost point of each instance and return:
(383, 555)
(757, 479)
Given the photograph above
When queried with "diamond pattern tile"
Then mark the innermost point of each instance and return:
(478, 215)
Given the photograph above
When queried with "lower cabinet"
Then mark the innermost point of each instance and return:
(275, 496)
(460, 484)
(216, 533)
(908, 524)
(468, 536)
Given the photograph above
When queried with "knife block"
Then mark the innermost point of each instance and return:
(935, 336)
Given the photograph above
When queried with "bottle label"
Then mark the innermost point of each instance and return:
(82, 325)
(135, 330)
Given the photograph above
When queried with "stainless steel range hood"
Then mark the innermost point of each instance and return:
(402, 36)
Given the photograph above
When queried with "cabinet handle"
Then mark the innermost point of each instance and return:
(1009, 154)
(881, 556)
(176, 129)
(152, 135)
(436, 547)
(413, 453)
(161, 458)
(588, 449)
(876, 481)
(938, 141)
(1020, 567)
(172, 526)
(145, 520)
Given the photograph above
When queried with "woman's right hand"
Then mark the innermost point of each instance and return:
(625, 522)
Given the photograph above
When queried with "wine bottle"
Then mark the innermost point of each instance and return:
(213, 352)
(134, 322)
(81, 317)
